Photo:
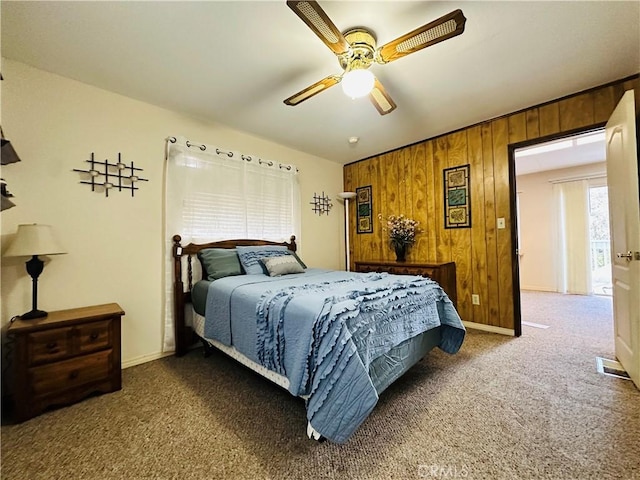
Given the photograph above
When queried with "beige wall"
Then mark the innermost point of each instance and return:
(115, 244)
(537, 232)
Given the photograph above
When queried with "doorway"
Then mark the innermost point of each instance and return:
(562, 215)
(562, 224)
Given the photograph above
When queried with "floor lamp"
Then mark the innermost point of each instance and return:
(346, 196)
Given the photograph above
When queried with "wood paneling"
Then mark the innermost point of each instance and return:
(533, 124)
(478, 232)
(443, 250)
(419, 200)
(490, 296)
(576, 112)
(460, 238)
(503, 210)
(517, 127)
(605, 101)
(432, 202)
(549, 118)
(410, 181)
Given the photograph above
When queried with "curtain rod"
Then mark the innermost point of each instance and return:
(578, 177)
(247, 158)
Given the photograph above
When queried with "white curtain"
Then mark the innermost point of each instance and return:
(213, 194)
(574, 253)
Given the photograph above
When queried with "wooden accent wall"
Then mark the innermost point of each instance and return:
(410, 181)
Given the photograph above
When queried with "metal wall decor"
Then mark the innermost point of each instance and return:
(5, 195)
(7, 155)
(364, 209)
(457, 197)
(110, 176)
(321, 204)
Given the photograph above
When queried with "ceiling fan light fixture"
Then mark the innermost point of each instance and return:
(356, 49)
(357, 83)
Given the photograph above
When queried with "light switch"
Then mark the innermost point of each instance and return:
(501, 222)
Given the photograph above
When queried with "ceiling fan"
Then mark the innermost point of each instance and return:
(356, 51)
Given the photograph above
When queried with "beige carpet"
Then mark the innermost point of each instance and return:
(502, 408)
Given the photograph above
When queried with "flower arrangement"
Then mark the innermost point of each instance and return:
(402, 233)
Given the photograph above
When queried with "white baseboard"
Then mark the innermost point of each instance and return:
(490, 328)
(145, 358)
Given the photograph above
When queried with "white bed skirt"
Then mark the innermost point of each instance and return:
(280, 380)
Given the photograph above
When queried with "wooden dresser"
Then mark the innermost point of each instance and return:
(443, 273)
(64, 357)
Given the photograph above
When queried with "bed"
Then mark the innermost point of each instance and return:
(336, 339)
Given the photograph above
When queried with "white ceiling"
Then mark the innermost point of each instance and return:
(235, 62)
(568, 152)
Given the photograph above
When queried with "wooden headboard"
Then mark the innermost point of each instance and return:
(184, 335)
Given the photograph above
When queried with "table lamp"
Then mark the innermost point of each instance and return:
(33, 240)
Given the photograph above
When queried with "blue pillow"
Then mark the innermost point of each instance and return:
(219, 262)
(250, 256)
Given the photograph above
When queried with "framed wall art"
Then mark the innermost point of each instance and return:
(457, 197)
(364, 210)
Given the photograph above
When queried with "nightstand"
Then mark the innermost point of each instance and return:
(443, 273)
(64, 357)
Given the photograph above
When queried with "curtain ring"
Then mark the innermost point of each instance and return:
(228, 154)
(201, 147)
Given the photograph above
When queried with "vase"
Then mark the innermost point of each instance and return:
(401, 252)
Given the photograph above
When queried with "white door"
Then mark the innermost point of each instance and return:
(624, 215)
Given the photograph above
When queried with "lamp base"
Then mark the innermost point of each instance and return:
(33, 314)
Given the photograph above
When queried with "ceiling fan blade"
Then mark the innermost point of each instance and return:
(312, 90)
(381, 99)
(445, 27)
(318, 21)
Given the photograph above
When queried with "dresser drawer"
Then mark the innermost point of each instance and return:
(68, 374)
(94, 336)
(398, 269)
(443, 273)
(408, 270)
(49, 345)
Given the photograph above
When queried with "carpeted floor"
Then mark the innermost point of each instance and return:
(502, 408)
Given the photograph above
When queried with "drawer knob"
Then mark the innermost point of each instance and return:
(52, 345)
(74, 374)
(94, 336)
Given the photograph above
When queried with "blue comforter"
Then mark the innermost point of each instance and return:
(322, 329)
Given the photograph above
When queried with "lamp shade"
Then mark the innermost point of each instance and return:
(357, 83)
(346, 195)
(34, 239)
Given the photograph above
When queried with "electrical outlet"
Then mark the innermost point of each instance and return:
(501, 223)
(475, 299)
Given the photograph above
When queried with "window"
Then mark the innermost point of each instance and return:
(215, 195)
(599, 239)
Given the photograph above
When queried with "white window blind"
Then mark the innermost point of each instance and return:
(213, 195)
